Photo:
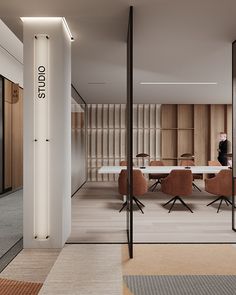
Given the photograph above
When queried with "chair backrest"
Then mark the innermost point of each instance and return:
(140, 185)
(178, 183)
(223, 182)
(187, 163)
(156, 163)
(214, 163)
(187, 155)
(123, 163)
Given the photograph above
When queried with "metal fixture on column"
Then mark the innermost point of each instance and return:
(41, 136)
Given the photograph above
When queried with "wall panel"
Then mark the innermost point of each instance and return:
(217, 125)
(107, 135)
(201, 134)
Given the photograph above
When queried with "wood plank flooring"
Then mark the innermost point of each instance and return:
(95, 218)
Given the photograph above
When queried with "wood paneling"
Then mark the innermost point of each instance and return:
(162, 131)
(169, 116)
(107, 136)
(201, 134)
(7, 134)
(17, 142)
(168, 141)
(228, 128)
(185, 116)
(13, 135)
(217, 125)
(197, 130)
(185, 142)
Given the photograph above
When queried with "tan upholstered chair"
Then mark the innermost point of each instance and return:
(140, 187)
(189, 163)
(214, 163)
(220, 185)
(123, 163)
(178, 183)
(156, 176)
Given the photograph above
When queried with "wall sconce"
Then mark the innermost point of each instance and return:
(41, 136)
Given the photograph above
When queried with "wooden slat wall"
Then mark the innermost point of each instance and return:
(162, 131)
(107, 135)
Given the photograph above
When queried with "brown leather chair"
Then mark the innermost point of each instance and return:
(213, 163)
(220, 185)
(178, 183)
(156, 176)
(189, 163)
(140, 187)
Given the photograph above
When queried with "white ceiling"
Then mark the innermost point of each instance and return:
(174, 41)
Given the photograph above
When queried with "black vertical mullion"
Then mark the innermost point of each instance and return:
(130, 132)
(234, 131)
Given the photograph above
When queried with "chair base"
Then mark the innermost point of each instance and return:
(138, 203)
(174, 200)
(221, 199)
(195, 186)
(154, 186)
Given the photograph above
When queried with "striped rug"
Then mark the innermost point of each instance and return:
(182, 285)
(10, 287)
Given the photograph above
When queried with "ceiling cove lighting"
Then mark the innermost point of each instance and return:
(67, 29)
(178, 83)
(41, 136)
(24, 19)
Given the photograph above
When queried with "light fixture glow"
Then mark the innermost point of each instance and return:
(96, 83)
(178, 83)
(67, 28)
(63, 19)
(41, 137)
(24, 19)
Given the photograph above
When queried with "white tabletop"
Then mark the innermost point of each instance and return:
(163, 169)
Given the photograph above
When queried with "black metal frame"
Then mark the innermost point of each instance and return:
(129, 122)
(233, 130)
(86, 126)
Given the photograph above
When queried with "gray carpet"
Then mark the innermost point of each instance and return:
(11, 220)
(181, 285)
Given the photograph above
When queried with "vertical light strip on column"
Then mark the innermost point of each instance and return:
(41, 136)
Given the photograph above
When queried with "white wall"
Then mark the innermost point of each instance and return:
(11, 55)
(60, 133)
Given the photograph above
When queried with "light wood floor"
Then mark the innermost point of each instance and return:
(95, 218)
(31, 265)
(86, 269)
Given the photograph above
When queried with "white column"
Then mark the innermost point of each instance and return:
(47, 133)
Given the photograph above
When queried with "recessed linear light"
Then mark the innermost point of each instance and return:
(178, 83)
(96, 83)
(67, 29)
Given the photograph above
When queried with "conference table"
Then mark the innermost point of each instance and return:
(164, 169)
